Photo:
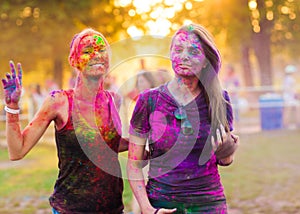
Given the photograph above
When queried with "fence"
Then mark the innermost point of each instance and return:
(258, 108)
(263, 108)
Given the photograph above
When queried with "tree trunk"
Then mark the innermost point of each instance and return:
(58, 72)
(262, 50)
(262, 46)
(248, 76)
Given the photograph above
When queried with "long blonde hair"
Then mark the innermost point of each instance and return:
(208, 78)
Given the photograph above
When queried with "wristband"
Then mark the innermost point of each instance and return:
(12, 111)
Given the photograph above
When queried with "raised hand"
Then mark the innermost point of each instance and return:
(12, 85)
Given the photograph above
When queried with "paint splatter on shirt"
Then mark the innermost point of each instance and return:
(174, 173)
(83, 186)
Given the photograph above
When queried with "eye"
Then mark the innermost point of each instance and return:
(102, 50)
(87, 51)
(178, 50)
(195, 51)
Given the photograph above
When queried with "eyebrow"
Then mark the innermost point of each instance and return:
(91, 46)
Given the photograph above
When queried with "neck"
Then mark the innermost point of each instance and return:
(181, 93)
(88, 87)
(179, 87)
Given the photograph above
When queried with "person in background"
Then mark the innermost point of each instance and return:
(232, 84)
(188, 123)
(36, 98)
(87, 131)
(111, 85)
(144, 80)
(51, 85)
(162, 76)
(290, 97)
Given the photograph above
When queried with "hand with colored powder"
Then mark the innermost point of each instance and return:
(226, 143)
(12, 85)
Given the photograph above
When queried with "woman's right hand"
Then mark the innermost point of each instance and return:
(12, 84)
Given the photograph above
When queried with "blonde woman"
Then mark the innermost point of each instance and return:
(87, 131)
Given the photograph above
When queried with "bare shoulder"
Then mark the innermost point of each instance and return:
(56, 102)
(57, 95)
(56, 105)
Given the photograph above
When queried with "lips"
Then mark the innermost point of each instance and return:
(97, 64)
(183, 66)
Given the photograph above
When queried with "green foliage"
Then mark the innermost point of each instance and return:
(36, 31)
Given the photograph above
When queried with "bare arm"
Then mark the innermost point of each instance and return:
(135, 174)
(20, 142)
(136, 178)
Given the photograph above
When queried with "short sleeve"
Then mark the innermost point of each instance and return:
(139, 123)
(229, 113)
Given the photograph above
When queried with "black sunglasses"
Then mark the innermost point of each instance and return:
(186, 126)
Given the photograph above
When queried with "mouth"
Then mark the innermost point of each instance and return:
(96, 64)
(184, 67)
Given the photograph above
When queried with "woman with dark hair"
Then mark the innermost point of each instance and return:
(188, 124)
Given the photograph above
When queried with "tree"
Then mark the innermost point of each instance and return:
(274, 23)
(38, 31)
(245, 26)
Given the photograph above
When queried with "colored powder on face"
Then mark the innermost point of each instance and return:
(190, 28)
(195, 46)
(95, 43)
(99, 40)
(83, 60)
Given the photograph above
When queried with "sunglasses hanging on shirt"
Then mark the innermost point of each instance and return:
(186, 126)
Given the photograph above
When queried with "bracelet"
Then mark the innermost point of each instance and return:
(11, 111)
(156, 211)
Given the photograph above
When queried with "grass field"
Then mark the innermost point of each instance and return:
(263, 179)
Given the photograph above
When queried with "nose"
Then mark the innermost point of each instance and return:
(185, 55)
(98, 54)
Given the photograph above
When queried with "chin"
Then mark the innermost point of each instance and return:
(95, 76)
(186, 74)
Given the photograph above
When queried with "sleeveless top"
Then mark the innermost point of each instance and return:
(89, 179)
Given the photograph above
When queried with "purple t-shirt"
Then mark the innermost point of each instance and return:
(174, 172)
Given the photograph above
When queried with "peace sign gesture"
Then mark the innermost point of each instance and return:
(12, 85)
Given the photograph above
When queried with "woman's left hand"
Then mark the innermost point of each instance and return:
(226, 143)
